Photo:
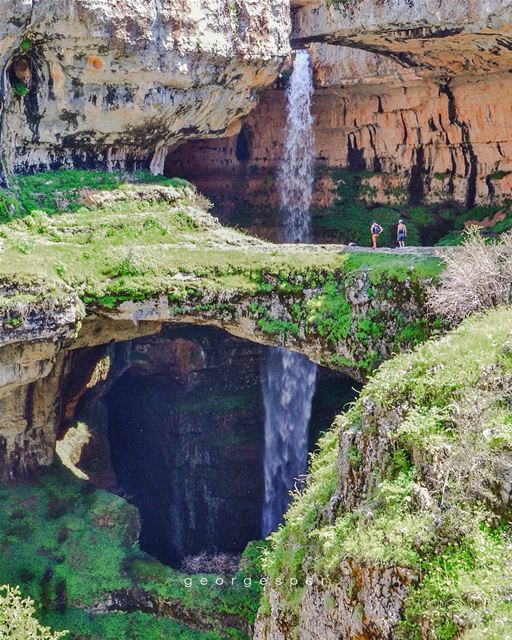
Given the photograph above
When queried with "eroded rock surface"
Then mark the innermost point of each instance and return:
(440, 37)
(103, 83)
(363, 602)
(35, 369)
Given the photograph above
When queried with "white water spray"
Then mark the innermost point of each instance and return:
(289, 379)
(296, 171)
(288, 389)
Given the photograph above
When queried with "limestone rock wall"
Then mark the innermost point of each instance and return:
(362, 603)
(439, 37)
(36, 397)
(110, 84)
(412, 92)
(32, 375)
(420, 137)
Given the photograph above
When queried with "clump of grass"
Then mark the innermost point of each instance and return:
(57, 191)
(477, 276)
(20, 88)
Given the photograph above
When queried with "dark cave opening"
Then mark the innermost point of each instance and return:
(182, 417)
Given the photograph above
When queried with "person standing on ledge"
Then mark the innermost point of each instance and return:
(376, 230)
(401, 234)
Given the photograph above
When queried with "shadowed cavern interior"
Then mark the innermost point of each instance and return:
(175, 423)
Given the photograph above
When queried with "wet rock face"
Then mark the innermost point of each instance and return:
(103, 83)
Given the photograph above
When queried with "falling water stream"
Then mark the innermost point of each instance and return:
(296, 170)
(289, 379)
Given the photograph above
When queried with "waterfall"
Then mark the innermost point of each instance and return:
(289, 379)
(296, 171)
(288, 388)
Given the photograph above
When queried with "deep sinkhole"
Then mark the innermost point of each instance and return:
(178, 429)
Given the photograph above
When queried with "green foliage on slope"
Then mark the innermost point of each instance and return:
(68, 545)
(443, 416)
(137, 242)
(354, 209)
(17, 621)
(63, 190)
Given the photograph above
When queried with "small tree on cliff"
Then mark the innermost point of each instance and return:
(17, 620)
(478, 275)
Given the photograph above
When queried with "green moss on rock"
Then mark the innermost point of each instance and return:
(417, 487)
(69, 545)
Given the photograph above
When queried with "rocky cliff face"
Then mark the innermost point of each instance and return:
(391, 543)
(101, 83)
(361, 603)
(416, 32)
(175, 422)
(335, 309)
(34, 393)
(409, 94)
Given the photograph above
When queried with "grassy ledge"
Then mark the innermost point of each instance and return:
(108, 239)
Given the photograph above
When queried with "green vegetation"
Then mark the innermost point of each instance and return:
(132, 626)
(75, 232)
(478, 215)
(17, 621)
(20, 88)
(441, 418)
(68, 545)
(354, 209)
(499, 175)
(53, 192)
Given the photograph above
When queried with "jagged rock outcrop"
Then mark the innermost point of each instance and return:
(362, 602)
(110, 84)
(444, 38)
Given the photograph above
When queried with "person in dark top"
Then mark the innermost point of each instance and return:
(401, 234)
(376, 230)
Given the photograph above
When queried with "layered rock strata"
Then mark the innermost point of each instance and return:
(410, 96)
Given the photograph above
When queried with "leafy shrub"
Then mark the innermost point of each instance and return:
(20, 88)
(478, 275)
(23, 246)
(17, 620)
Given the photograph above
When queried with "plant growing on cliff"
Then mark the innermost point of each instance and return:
(477, 276)
(20, 88)
(432, 500)
(17, 621)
